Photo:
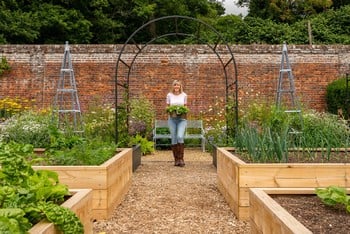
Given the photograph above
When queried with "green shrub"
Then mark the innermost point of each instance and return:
(337, 97)
(4, 66)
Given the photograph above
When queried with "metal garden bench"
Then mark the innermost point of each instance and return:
(194, 130)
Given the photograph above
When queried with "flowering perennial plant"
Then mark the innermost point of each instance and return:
(12, 106)
(28, 128)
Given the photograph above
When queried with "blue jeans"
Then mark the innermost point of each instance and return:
(177, 128)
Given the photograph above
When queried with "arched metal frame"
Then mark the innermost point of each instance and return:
(231, 84)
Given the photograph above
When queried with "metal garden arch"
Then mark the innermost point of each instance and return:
(227, 60)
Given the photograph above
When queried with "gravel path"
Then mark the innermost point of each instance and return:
(168, 199)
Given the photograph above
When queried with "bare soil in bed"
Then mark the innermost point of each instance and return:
(313, 214)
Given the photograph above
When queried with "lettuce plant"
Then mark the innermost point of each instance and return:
(179, 110)
(334, 196)
(28, 196)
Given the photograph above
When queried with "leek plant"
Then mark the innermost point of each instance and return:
(264, 135)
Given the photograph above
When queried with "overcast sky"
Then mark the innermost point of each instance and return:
(231, 8)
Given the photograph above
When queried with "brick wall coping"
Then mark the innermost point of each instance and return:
(115, 48)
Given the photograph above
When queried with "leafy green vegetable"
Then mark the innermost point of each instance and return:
(63, 218)
(28, 196)
(12, 221)
(333, 196)
(179, 110)
(147, 146)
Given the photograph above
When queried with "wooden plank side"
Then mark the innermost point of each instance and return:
(43, 227)
(101, 179)
(79, 177)
(347, 177)
(226, 167)
(122, 166)
(226, 177)
(293, 176)
(243, 196)
(118, 200)
(228, 198)
(117, 191)
(81, 204)
(243, 213)
(235, 177)
(99, 214)
(120, 152)
(270, 217)
(99, 199)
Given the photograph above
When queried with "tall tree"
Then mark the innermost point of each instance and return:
(288, 11)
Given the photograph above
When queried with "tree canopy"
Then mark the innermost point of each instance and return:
(113, 21)
(289, 11)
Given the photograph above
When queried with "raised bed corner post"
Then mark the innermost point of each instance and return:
(228, 64)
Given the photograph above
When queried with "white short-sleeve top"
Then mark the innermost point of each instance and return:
(180, 99)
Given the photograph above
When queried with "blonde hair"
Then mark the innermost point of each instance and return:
(179, 83)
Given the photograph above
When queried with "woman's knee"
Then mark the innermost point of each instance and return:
(180, 139)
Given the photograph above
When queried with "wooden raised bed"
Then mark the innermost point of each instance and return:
(267, 216)
(235, 178)
(109, 181)
(80, 203)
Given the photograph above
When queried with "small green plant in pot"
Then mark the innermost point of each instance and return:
(177, 111)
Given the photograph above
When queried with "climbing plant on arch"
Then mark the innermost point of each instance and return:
(182, 30)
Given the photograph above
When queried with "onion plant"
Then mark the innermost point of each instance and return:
(265, 134)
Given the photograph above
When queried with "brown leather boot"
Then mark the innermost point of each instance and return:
(181, 154)
(175, 149)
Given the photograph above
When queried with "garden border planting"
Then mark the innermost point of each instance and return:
(109, 181)
(235, 177)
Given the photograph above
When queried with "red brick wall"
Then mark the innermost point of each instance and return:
(36, 69)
